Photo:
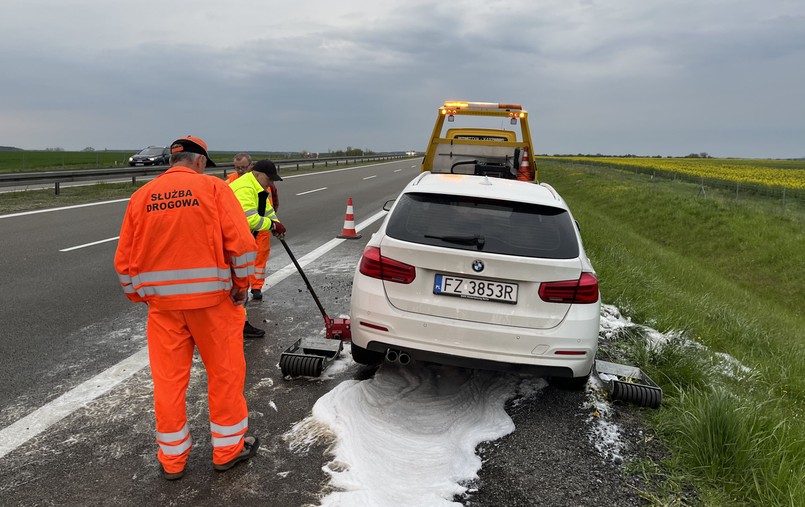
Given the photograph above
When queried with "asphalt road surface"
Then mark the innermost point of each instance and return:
(76, 417)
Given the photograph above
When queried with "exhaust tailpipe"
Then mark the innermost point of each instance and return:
(398, 356)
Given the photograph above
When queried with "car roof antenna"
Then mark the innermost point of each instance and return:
(486, 180)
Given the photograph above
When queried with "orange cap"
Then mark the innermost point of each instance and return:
(192, 144)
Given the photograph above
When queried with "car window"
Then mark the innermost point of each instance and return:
(151, 152)
(478, 224)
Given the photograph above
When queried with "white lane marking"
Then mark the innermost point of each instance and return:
(311, 191)
(16, 434)
(398, 170)
(413, 166)
(88, 244)
(370, 177)
(41, 419)
(24, 213)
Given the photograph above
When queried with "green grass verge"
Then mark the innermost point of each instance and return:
(12, 202)
(31, 161)
(709, 272)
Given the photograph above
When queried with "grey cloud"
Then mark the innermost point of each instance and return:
(595, 78)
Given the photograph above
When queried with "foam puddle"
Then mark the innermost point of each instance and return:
(408, 435)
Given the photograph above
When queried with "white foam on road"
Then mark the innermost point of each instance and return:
(408, 436)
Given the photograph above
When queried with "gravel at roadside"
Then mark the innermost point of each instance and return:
(551, 460)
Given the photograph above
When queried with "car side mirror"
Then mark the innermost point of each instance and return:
(387, 205)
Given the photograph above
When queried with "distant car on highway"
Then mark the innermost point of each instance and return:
(153, 155)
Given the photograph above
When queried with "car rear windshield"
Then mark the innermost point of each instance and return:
(472, 223)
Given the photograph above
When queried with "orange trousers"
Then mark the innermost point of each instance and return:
(173, 335)
(263, 251)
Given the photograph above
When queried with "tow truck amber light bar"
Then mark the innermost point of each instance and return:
(479, 105)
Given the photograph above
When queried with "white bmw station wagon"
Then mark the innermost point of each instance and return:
(480, 272)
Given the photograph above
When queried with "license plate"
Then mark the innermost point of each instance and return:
(472, 288)
(138, 163)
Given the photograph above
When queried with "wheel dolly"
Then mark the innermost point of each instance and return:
(628, 383)
(309, 356)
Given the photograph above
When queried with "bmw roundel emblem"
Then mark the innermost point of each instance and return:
(477, 266)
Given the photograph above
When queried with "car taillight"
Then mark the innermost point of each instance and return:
(581, 291)
(377, 266)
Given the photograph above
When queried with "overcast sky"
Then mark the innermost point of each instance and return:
(726, 77)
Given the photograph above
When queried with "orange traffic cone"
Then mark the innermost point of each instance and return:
(348, 232)
(524, 173)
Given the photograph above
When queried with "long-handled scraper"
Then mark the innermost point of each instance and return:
(309, 356)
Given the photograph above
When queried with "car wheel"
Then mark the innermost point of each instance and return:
(364, 356)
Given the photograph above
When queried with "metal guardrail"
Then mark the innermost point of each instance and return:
(59, 177)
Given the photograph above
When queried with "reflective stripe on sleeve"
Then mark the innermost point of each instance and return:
(251, 212)
(244, 259)
(244, 272)
(125, 282)
(259, 223)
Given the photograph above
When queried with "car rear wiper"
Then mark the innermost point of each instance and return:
(476, 240)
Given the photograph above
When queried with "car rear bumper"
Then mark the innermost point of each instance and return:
(378, 326)
(473, 362)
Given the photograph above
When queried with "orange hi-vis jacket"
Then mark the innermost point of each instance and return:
(164, 260)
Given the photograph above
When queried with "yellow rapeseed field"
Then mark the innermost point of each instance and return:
(771, 173)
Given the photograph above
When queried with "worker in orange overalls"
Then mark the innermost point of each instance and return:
(187, 252)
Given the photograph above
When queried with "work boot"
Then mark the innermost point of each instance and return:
(257, 294)
(250, 331)
(250, 446)
(172, 476)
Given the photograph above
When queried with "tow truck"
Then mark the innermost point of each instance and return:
(508, 153)
(476, 148)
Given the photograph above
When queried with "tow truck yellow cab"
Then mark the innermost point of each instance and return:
(474, 149)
